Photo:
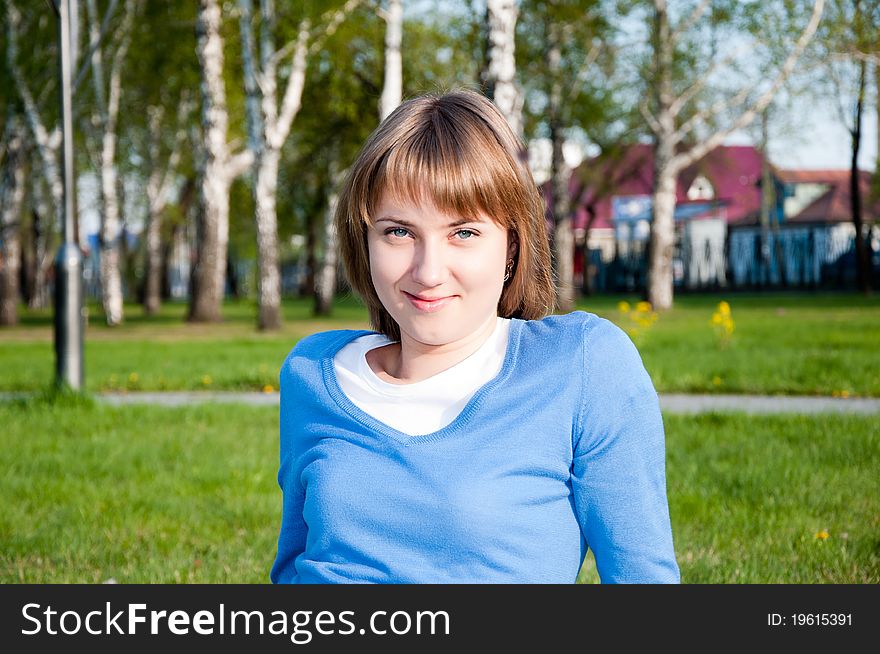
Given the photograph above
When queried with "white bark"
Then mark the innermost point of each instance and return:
(269, 126)
(12, 189)
(560, 173)
(42, 254)
(502, 15)
(325, 280)
(159, 187)
(667, 162)
(107, 99)
(392, 88)
(48, 142)
(217, 171)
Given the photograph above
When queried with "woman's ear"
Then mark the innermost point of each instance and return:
(512, 244)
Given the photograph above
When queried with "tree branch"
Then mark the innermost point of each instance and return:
(649, 117)
(691, 20)
(105, 27)
(688, 94)
(699, 151)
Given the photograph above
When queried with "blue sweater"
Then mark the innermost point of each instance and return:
(561, 451)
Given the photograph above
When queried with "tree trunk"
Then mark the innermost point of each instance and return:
(153, 273)
(209, 271)
(392, 89)
(662, 243)
(212, 229)
(12, 189)
(269, 284)
(501, 83)
(863, 260)
(111, 277)
(39, 298)
(325, 282)
(563, 232)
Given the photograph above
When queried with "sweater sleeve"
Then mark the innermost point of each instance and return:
(618, 471)
(292, 538)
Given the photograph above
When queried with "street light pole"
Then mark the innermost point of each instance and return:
(69, 317)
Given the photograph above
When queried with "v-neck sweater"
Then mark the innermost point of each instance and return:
(562, 450)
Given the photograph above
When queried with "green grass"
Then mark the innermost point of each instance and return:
(748, 496)
(814, 344)
(146, 494)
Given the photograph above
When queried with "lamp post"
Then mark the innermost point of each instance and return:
(69, 317)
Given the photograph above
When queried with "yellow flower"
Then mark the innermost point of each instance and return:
(206, 380)
(623, 307)
(844, 393)
(716, 380)
(717, 319)
(822, 535)
(724, 308)
(644, 307)
(133, 377)
(268, 388)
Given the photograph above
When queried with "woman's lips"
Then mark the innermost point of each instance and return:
(428, 306)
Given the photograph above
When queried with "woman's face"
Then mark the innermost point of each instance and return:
(439, 275)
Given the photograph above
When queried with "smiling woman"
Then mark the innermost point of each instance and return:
(471, 437)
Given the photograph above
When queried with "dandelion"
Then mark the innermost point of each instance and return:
(722, 324)
(268, 388)
(716, 380)
(133, 377)
(207, 381)
(822, 535)
(641, 317)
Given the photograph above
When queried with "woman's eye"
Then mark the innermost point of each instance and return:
(464, 234)
(398, 232)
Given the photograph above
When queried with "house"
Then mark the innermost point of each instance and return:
(720, 238)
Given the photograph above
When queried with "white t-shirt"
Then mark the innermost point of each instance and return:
(425, 406)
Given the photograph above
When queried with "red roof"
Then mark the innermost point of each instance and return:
(835, 204)
(812, 176)
(733, 171)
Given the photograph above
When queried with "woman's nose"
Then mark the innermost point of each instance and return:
(430, 267)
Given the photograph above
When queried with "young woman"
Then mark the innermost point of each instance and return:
(471, 437)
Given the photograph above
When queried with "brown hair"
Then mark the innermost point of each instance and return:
(459, 150)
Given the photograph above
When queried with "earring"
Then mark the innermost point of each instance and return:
(508, 269)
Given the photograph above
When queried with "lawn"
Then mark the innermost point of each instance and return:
(813, 344)
(146, 494)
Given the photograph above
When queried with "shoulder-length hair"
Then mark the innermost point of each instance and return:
(457, 149)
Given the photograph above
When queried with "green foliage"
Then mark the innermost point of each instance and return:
(585, 33)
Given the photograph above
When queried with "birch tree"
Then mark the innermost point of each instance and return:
(12, 194)
(105, 118)
(160, 184)
(392, 88)
(501, 87)
(567, 91)
(269, 126)
(47, 141)
(675, 115)
(220, 165)
(851, 45)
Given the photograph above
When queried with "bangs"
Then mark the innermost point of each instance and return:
(452, 159)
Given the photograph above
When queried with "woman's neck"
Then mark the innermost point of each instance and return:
(411, 361)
